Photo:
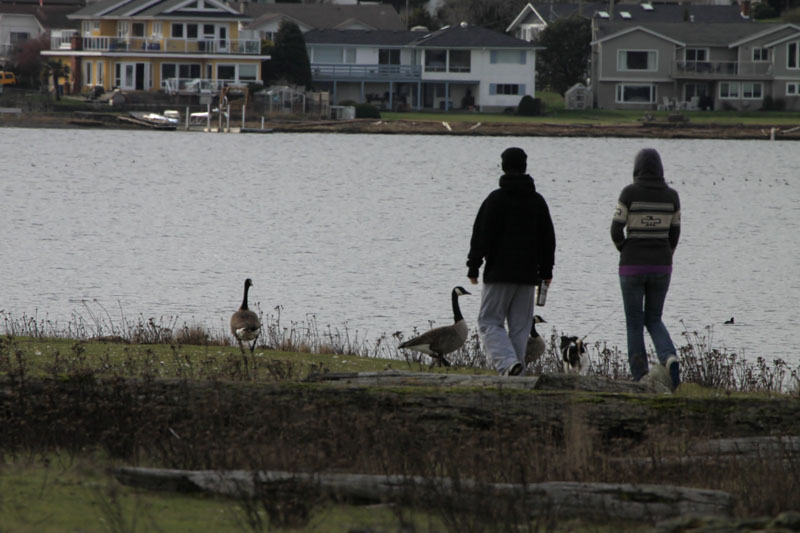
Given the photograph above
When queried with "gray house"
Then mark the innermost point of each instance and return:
(692, 65)
(536, 16)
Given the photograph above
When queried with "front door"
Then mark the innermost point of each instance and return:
(131, 76)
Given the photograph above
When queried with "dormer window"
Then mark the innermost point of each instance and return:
(647, 7)
(602, 14)
(625, 14)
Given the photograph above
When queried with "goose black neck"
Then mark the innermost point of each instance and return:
(456, 309)
(534, 333)
(244, 300)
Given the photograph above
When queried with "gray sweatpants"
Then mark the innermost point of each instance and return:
(501, 302)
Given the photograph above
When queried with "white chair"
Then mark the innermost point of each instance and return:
(667, 103)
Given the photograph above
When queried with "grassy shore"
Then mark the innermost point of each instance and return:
(73, 409)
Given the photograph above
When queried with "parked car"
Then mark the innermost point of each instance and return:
(7, 78)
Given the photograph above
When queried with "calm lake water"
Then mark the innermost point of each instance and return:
(372, 232)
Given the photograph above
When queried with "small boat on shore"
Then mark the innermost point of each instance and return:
(151, 120)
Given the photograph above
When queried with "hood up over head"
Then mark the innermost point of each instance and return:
(648, 165)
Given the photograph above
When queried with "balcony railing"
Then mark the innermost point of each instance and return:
(158, 45)
(383, 72)
(721, 69)
(202, 85)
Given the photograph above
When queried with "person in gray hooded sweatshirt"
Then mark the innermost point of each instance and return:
(514, 233)
(651, 212)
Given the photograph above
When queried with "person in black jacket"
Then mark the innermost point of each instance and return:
(651, 211)
(513, 233)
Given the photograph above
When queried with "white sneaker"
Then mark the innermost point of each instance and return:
(513, 370)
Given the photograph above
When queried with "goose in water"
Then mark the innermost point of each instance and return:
(245, 325)
(440, 341)
(535, 347)
(729, 321)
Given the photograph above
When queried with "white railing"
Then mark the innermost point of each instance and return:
(158, 45)
(201, 85)
(712, 69)
(321, 71)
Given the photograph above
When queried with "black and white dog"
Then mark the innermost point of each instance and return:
(574, 359)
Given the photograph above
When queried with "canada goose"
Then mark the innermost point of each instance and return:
(245, 325)
(535, 347)
(573, 355)
(440, 341)
(729, 321)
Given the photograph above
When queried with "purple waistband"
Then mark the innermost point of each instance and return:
(634, 270)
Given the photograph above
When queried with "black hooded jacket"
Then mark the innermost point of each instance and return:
(651, 211)
(514, 233)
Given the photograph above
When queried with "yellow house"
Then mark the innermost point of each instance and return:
(149, 45)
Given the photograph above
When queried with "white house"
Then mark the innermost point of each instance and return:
(457, 67)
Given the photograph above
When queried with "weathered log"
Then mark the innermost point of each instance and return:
(394, 378)
(620, 501)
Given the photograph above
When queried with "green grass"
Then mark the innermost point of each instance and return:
(57, 494)
(609, 117)
(556, 114)
(55, 357)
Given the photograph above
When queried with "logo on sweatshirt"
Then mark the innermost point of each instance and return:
(650, 221)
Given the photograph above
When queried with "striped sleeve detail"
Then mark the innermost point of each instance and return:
(621, 213)
(650, 220)
(676, 218)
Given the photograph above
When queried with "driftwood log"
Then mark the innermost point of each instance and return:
(554, 382)
(615, 501)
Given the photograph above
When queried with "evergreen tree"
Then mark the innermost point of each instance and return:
(289, 57)
(565, 59)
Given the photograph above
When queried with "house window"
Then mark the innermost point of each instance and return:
(101, 74)
(793, 88)
(751, 90)
(506, 88)
(87, 73)
(90, 27)
(637, 60)
(628, 93)
(248, 72)
(18, 37)
(460, 60)
(137, 29)
(760, 54)
(388, 57)
(123, 29)
(696, 54)
(191, 31)
(177, 31)
(793, 55)
(226, 72)
(729, 90)
(435, 60)
(508, 57)
(328, 54)
(349, 55)
(157, 29)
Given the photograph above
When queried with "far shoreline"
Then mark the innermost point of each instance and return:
(657, 127)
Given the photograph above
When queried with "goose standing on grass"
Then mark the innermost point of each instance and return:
(535, 347)
(440, 341)
(245, 325)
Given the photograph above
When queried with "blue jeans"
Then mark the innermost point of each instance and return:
(643, 296)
